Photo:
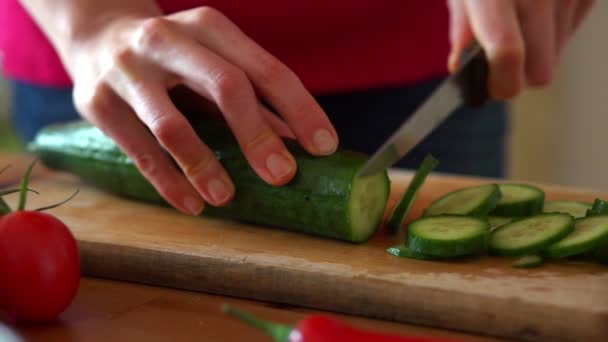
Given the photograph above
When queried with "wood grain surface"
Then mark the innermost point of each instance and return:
(105, 310)
(125, 240)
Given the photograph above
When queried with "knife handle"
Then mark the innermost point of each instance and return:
(473, 77)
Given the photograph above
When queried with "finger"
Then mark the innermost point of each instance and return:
(564, 17)
(494, 24)
(277, 124)
(538, 28)
(114, 117)
(150, 100)
(460, 32)
(582, 10)
(213, 77)
(274, 81)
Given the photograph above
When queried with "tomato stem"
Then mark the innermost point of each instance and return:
(24, 183)
(4, 169)
(279, 332)
(58, 204)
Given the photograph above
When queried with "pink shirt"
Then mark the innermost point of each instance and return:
(331, 45)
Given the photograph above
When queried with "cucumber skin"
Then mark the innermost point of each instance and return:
(315, 202)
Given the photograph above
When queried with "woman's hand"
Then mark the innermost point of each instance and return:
(122, 73)
(523, 39)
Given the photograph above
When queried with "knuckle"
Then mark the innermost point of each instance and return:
(95, 101)
(167, 130)
(152, 34)
(207, 16)
(202, 166)
(122, 57)
(146, 163)
(509, 52)
(229, 84)
(259, 139)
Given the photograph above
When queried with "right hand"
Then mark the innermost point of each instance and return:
(122, 75)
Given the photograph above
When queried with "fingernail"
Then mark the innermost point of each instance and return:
(194, 206)
(219, 190)
(324, 142)
(279, 165)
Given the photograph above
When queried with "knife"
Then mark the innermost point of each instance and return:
(467, 86)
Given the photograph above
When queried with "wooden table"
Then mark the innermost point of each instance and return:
(106, 310)
(116, 311)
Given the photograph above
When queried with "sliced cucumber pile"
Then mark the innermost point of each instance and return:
(506, 220)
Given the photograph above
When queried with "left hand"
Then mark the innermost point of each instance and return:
(523, 39)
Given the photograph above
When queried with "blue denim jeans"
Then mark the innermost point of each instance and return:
(470, 142)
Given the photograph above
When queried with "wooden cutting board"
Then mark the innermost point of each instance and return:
(125, 240)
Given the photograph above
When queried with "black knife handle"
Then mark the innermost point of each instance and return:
(473, 78)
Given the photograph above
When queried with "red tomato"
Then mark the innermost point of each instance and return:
(39, 265)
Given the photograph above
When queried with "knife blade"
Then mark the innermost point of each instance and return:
(467, 86)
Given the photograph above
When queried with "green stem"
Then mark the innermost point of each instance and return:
(4, 208)
(24, 183)
(58, 204)
(279, 332)
(4, 169)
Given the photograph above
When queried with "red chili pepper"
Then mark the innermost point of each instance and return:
(319, 328)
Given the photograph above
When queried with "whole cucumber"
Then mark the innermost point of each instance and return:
(325, 198)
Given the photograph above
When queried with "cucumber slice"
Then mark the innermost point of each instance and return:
(472, 201)
(405, 252)
(574, 208)
(599, 207)
(405, 204)
(519, 200)
(530, 235)
(448, 235)
(528, 261)
(587, 235)
(497, 221)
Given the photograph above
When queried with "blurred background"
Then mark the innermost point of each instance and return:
(558, 134)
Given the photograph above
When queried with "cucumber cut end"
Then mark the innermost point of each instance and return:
(368, 201)
(448, 235)
(519, 200)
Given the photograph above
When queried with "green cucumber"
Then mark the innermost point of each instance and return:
(405, 204)
(448, 236)
(589, 234)
(473, 201)
(519, 200)
(601, 253)
(574, 208)
(325, 198)
(405, 252)
(530, 235)
(528, 261)
(497, 221)
(599, 207)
